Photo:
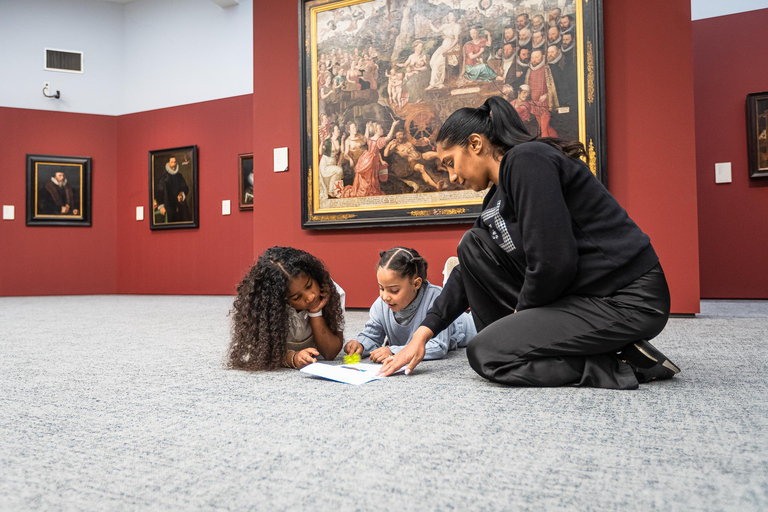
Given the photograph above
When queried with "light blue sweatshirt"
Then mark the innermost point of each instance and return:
(382, 325)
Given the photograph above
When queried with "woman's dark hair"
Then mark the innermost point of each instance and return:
(260, 315)
(498, 121)
(405, 261)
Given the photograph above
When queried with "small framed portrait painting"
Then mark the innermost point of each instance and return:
(58, 190)
(245, 181)
(173, 188)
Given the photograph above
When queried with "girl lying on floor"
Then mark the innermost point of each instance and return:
(405, 296)
(288, 311)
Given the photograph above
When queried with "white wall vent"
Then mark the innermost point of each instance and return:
(63, 60)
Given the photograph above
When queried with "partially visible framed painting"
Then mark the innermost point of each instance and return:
(757, 125)
(173, 188)
(58, 190)
(245, 181)
(379, 77)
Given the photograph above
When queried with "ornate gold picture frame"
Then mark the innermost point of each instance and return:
(379, 77)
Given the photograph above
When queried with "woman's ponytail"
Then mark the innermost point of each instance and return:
(499, 122)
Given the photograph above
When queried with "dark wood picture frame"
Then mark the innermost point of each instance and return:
(174, 194)
(757, 134)
(58, 190)
(335, 32)
(245, 181)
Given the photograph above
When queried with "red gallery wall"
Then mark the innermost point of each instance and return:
(651, 157)
(42, 260)
(651, 143)
(728, 65)
(119, 254)
(213, 258)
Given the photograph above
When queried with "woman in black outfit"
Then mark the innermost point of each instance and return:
(564, 288)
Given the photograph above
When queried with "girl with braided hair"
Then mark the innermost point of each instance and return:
(405, 296)
(288, 311)
(564, 287)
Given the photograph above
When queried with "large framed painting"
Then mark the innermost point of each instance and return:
(379, 77)
(757, 127)
(173, 188)
(58, 190)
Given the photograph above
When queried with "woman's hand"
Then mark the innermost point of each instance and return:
(380, 354)
(411, 354)
(305, 357)
(354, 347)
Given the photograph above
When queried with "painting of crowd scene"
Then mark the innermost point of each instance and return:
(383, 75)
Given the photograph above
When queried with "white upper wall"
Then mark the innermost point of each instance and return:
(94, 28)
(186, 51)
(150, 54)
(144, 55)
(701, 9)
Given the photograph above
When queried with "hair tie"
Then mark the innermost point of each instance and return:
(484, 108)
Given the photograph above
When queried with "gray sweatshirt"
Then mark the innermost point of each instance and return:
(382, 325)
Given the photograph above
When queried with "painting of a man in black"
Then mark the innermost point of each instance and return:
(171, 191)
(57, 197)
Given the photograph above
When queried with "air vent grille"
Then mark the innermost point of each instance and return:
(62, 60)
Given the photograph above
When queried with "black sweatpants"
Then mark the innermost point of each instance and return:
(568, 342)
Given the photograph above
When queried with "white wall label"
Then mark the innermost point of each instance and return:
(723, 172)
(9, 212)
(281, 159)
(226, 207)
(139, 213)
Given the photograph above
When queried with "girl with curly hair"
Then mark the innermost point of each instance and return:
(287, 312)
(405, 296)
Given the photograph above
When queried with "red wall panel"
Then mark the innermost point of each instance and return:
(119, 254)
(650, 122)
(651, 165)
(208, 260)
(66, 260)
(733, 216)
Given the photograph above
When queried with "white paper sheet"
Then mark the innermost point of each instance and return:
(354, 374)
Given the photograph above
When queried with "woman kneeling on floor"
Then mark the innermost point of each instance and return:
(564, 287)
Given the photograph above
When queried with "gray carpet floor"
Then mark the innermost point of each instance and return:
(123, 403)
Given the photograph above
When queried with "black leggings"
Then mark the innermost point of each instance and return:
(568, 342)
